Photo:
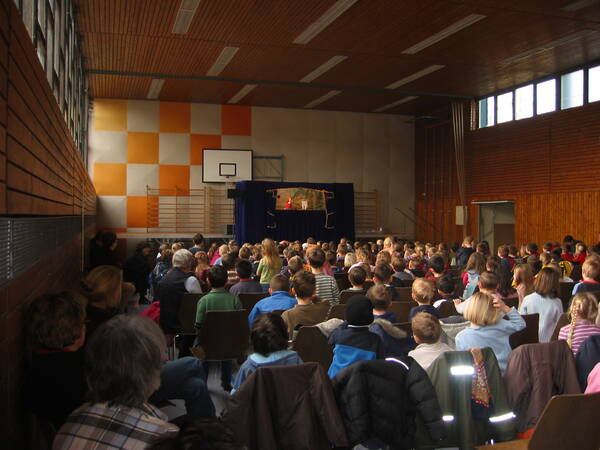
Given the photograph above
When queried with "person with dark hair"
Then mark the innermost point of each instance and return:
(309, 310)
(123, 362)
(137, 268)
(383, 275)
(327, 288)
(55, 333)
(198, 241)
(436, 268)
(104, 254)
(269, 338)
(357, 277)
(381, 299)
(205, 434)
(279, 299)
(532, 250)
(245, 284)
(228, 261)
(445, 287)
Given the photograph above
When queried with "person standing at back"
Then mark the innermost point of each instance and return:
(327, 288)
(463, 253)
(270, 263)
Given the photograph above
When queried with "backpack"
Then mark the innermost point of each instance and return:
(472, 280)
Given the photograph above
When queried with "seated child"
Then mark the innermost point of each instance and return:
(487, 283)
(279, 299)
(488, 328)
(589, 272)
(427, 330)
(228, 261)
(381, 299)
(269, 339)
(295, 265)
(583, 312)
(414, 267)
(445, 287)
(382, 276)
(352, 340)
(422, 293)
(309, 309)
(357, 277)
(246, 284)
(400, 272)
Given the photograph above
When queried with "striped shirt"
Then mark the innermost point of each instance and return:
(98, 425)
(583, 330)
(327, 288)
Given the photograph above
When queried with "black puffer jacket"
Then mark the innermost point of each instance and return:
(379, 399)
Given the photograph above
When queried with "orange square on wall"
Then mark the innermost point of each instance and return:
(142, 148)
(199, 142)
(175, 117)
(236, 120)
(110, 179)
(137, 212)
(110, 114)
(170, 176)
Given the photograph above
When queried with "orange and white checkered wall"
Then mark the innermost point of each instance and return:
(135, 143)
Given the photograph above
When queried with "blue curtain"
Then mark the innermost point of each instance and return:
(256, 217)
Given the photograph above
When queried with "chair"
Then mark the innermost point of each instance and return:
(563, 320)
(311, 344)
(249, 299)
(529, 334)
(368, 285)
(337, 312)
(576, 274)
(187, 313)
(342, 281)
(347, 295)
(564, 293)
(405, 294)
(401, 309)
(224, 335)
(511, 302)
(407, 283)
(405, 326)
(447, 309)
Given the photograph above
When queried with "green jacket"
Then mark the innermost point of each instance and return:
(454, 396)
(216, 300)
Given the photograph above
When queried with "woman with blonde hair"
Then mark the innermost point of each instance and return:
(349, 261)
(270, 263)
(523, 281)
(488, 328)
(545, 302)
(583, 312)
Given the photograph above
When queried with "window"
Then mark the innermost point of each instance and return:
(487, 112)
(505, 107)
(571, 87)
(594, 84)
(524, 102)
(546, 96)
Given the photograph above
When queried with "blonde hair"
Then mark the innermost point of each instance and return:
(103, 286)
(583, 306)
(591, 267)
(383, 258)
(363, 256)
(481, 311)
(388, 242)
(423, 290)
(176, 246)
(349, 259)
(426, 327)
(270, 253)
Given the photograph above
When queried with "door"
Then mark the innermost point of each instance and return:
(497, 223)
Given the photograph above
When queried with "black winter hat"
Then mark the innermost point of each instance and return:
(359, 311)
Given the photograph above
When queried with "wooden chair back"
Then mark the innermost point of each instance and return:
(224, 335)
(447, 309)
(187, 312)
(337, 312)
(512, 302)
(347, 295)
(342, 280)
(407, 283)
(249, 299)
(405, 326)
(563, 320)
(564, 293)
(576, 274)
(312, 346)
(405, 293)
(401, 310)
(369, 284)
(529, 334)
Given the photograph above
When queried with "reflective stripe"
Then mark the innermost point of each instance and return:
(397, 361)
(448, 418)
(462, 370)
(502, 417)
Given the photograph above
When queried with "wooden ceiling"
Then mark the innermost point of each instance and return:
(126, 43)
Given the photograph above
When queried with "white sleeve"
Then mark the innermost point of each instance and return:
(192, 285)
(462, 307)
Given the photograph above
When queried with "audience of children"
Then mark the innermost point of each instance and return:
(426, 331)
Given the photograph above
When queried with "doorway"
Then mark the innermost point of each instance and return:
(497, 223)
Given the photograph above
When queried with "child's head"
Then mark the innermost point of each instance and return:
(532, 248)
(349, 259)
(523, 274)
(316, 258)
(481, 310)
(223, 250)
(584, 306)
(436, 263)
(166, 256)
(545, 258)
(331, 258)
(304, 285)
(467, 241)
(243, 268)
(359, 311)
(513, 250)
(488, 281)
(363, 256)
(422, 291)
(475, 263)
(357, 276)
(342, 249)
(269, 334)
(503, 251)
(445, 285)
(547, 282)
(383, 258)
(228, 261)
(398, 264)
(198, 239)
(382, 274)
(580, 248)
(176, 246)
(426, 328)
(279, 283)
(295, 265)
(547, 247)
(245, 252)
(590, 268)
(217, 277)
(367, 269)
(380, 297)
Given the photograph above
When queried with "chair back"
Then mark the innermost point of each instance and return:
(407, 283)
(404, 326)
(341, 278)
(529, 334)
(404, 293)
(447, 309)
(563, 320)
(312, 346)
(249, 299)
(511, 302)
(337, 312)
(368, 285)
(401, 310)
(187, 312)
(224, 334)
(576, 273)
(347, 295)
(564, 293)
(279, 312)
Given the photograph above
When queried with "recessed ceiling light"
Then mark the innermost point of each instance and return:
(443, 34)
(155, 88)
(185, 15)
(322, 99)
(576, 6)
(414, 76)
(394, 104)
(242, 93)
(336, 10)
(327, 65)
(224, 58)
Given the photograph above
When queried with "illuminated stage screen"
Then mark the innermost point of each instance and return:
(302, 199)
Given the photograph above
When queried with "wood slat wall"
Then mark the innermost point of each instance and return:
(41, 173)
(548, 165)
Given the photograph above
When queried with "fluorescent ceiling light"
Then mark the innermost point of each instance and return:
(443, 34)
(415, 76)
(155, 88)
(185, 15)
(548, 46)
(396, 103)
(327, 65)
(242, 93)
(224, 58)
(576, 6)
(322, 99)
(336, 10)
